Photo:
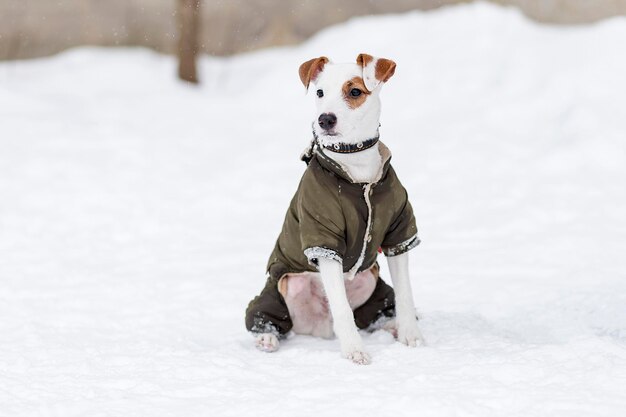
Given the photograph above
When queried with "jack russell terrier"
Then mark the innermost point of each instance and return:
(323, 278)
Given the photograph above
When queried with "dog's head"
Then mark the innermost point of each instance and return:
(348, 103)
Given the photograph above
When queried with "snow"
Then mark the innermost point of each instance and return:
(137, 214)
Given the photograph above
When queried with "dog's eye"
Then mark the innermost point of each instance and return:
(355, 92)
(320, 93)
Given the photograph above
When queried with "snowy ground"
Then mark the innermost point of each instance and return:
(137, 214)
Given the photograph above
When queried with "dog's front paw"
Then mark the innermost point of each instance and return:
(409, 333)
(267, 342)
(352, 346)
(359, 357)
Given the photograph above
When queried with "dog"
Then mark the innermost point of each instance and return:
(323, 278)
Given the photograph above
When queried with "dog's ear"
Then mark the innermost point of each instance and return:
(311, 69)
(375, 70)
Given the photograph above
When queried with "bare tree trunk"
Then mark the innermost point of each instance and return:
(188, 29)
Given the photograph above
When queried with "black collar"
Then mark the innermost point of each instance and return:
(338, 147)
(341, 147)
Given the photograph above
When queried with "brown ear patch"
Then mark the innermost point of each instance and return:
(310, 69)
(385, 68)
(354, 102)
(375, 70)
(364, 59)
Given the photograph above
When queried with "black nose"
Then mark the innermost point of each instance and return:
(327, 120)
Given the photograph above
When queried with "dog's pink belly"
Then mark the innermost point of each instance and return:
(307, 303)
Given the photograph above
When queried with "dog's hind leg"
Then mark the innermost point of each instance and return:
(267, 317)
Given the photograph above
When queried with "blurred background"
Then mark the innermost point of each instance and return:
(37, 28)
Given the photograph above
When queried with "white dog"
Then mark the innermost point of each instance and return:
(350, 204)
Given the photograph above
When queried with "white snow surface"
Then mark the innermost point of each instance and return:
(137, 215)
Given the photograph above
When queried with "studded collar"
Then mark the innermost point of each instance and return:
(342, 147)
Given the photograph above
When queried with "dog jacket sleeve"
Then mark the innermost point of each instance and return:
(322, 225)
(402, 234)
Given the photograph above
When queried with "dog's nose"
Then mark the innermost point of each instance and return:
(327, 120)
